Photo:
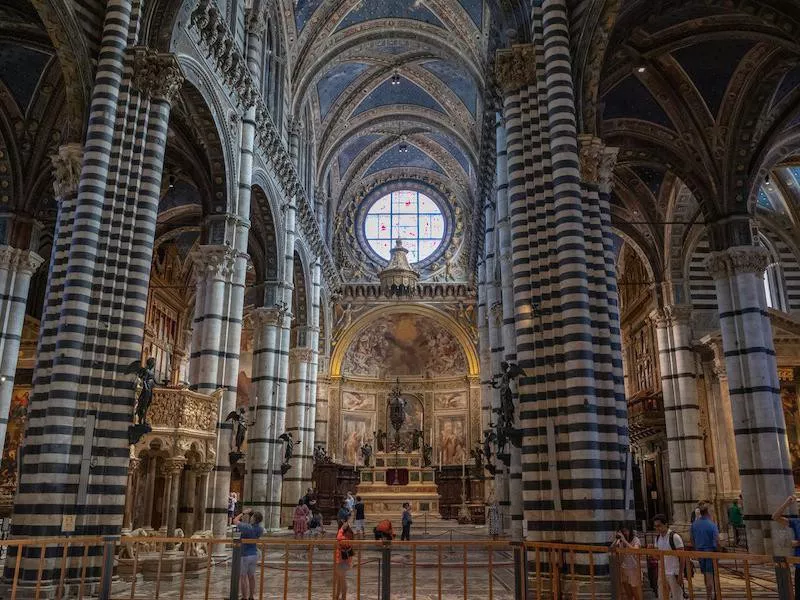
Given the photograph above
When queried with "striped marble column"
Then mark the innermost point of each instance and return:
(765, 467)
(268, 415)
(214, 359)
(308, 432)
(76, 448)
(16, 268)
(297, 405)
(575, 465)
(681, 409)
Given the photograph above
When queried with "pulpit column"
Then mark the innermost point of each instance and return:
(173, 469)
(131, 492)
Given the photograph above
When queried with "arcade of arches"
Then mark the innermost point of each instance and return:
(603, 193)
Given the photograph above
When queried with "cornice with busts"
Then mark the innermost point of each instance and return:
(737, 261)
(157, 75)
(515, 67)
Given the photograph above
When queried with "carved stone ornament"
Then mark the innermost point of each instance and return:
(678, 313)
(256, 21)
(214, 261)
(591, 156)
(608, 162)
(301, 354)
(266, 316)
(66, 169)
(183, 409)
(294, 126)
(737, 260)
(157, 75)
(173, 466)
(203, 468)
(516, 67)
(19, 261)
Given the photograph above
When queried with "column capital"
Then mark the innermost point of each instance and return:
(299, 354)
(678, 313)
(214, 260)
(659, 318)
(515, 67)
(25, 261)
(597, 161)
(266, 316)
(173, 466)
(202, 468)
(737, 260)
(256, 21)
(66, 164)
(134, 464)
(157, 75)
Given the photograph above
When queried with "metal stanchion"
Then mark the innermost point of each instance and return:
(386, 571)
(520, 570)
(236, 565)
(109, 542)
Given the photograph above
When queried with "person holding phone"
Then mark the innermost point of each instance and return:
(630, 572)
(342, 561)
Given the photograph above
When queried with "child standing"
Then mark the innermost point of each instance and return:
(407, 521)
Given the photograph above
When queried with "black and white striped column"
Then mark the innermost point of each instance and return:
(16, 268)
(297, 405)
(754, 389)
(576, 484)
(681, 409)
(76, 449)
(310, 416)
(264, 449)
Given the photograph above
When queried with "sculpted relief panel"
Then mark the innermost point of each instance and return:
(404, 344)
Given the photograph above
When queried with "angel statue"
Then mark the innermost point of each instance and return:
(416, 437)
(240, 425)
(366, 453)
(288, 449)
(506, 411)
(427, 454)
(477, 457)
(380, 438)
(147, 375)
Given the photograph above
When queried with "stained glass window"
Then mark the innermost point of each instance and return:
(411, 216)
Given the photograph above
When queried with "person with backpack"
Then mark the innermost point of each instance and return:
(705, 538)
(673, 565)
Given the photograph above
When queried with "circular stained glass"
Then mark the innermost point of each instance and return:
(411, 216)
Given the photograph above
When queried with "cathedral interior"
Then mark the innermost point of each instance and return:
(562, 235)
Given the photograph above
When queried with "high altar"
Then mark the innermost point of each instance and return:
(394, 478)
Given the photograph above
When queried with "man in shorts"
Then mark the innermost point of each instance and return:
(673, 565)
(705, 538)
(249, 531)
(358, 526)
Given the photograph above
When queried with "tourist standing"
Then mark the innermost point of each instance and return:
(358, 529)
(407, 521)
(249, 531)
(736, 519)
(705, 538)
(793, 523)
(630, 572)
(300, 521)
(673, 565)
(350, 501)
(342, 561)
(343, 515)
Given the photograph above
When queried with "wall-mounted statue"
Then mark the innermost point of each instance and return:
(321, 456)
(239, 424)
(427, 454)
(146, 378)
(503, 382)
(288, 450)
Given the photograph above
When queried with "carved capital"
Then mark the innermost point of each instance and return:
(134, 464)
(19, 261)
(256, 22)
(608, 162)
(516, 67)
(658, 318)
(301, 354)
(157, 75)
(294, 126)
(202, 468)
(678, 313)
(214, 261)
(266, 316)
(173, 466)
(737, 260)
(66, 169)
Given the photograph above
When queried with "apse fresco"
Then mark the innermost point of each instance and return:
(358, 401)
(404, 344)
(17, 418)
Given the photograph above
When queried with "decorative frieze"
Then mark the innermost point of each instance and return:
(157, 75)
(516, 67)
(67, 169)
(737, 260)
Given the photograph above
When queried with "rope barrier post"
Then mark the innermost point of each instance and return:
(109, 541)
(520, 570)
(386, 571)
(236, 564)
(783, 578)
